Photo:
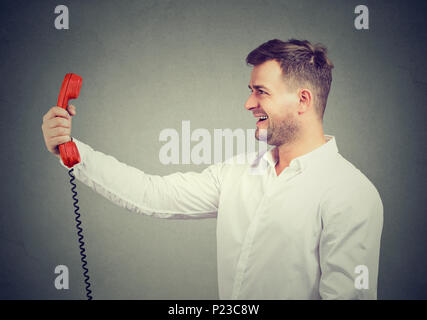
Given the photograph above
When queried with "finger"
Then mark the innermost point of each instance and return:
(58, 122)
(60, 140)
(60, 131)
(56, 112)
(60, 112)
(72, 109)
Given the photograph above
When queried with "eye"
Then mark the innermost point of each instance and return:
(258, 91)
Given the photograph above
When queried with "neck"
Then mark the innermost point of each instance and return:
(305, 143)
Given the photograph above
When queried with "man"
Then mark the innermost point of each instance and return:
(307, 225)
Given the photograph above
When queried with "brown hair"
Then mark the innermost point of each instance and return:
(301, 63)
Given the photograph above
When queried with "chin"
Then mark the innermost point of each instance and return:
(266, 137)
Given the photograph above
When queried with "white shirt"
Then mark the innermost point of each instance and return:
(299, 235)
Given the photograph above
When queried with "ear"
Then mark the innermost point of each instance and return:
(305, 100)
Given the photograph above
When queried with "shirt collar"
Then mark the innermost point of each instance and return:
(327, 149)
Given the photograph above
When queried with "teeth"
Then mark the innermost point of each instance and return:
(263, 117)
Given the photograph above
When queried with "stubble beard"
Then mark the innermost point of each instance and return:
(284, 132)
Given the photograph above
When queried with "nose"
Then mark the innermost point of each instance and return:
(251, 102)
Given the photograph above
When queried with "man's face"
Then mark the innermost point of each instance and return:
(272, 97)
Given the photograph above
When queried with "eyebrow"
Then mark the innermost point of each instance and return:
(259, 87)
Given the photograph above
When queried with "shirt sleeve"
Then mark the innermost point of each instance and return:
(179, 195)
(349, 246)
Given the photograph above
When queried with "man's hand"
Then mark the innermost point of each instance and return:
(56, 127)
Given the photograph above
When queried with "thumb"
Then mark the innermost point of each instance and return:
(72, 109)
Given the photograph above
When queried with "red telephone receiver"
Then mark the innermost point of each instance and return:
(70, 156)
(70, 89)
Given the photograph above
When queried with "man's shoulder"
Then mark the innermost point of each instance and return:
(348, 183)
(350, 197)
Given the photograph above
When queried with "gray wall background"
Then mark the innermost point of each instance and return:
(148, 65)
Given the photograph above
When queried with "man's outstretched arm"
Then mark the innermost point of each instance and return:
(178, 195)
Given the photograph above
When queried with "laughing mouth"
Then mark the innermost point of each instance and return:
(262, 118)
